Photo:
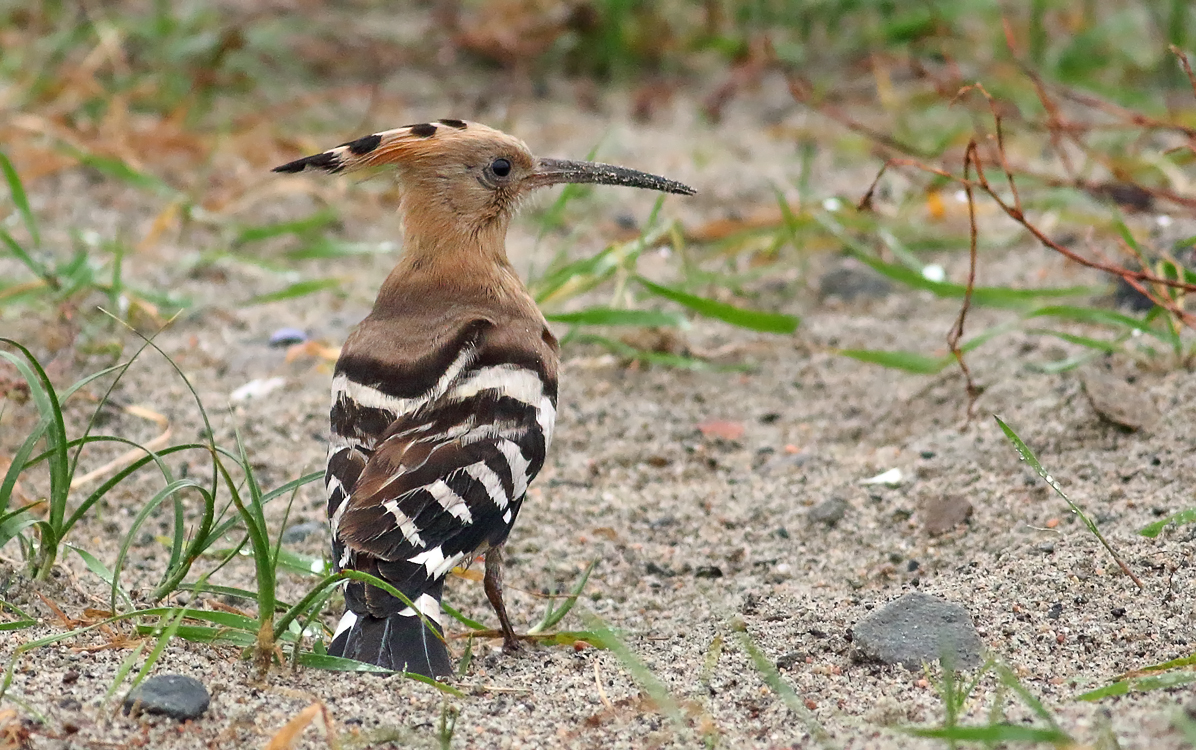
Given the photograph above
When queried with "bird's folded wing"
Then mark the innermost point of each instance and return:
(444, 480)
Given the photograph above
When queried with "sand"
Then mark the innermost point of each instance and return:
(634, 484)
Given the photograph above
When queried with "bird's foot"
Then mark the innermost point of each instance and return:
(511, 644)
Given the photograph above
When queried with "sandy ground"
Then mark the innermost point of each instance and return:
(633, 484)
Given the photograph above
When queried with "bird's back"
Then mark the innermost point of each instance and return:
(443, 407)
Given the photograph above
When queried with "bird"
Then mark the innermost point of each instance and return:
(444, 397)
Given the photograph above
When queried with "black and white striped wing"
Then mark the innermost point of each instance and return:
(444, 481)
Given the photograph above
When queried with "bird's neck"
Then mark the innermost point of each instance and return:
(445, 264)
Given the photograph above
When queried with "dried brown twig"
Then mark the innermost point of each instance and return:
(1062, 133)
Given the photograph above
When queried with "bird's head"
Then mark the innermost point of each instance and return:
(462, 177)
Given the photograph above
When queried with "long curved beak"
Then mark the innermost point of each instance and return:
(556, 171)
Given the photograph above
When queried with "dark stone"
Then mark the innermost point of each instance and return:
(300, 531)
(791, 659)
(945, 513)
(656, 570)
(708, 571)
(829, 511)
(174, 695)
(287, 337)
(853, 280)
(917, 629)
(1118, 612)
(1056, 611)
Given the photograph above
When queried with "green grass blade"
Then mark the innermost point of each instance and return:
(317, 221)
(17, 190)
(294, 291)
(102, 572)
(772, 678)
(1099, 345)
(20, 462)
(606, 316)
(6, 627)
(754, 320)
(291, 486)
(1102, 317)
(338, 663)
(456, 615)
(50, 409)
(994, 733)
(680, 361)
(36, 267)
(553, 616)
(1141, 685)
(1028, 456)
(1179, 519)
(919, 364)
(650, 683)
(122, 172)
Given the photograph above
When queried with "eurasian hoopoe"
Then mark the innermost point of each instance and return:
(444, 397)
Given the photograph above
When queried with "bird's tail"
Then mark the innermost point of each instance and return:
(401, 642)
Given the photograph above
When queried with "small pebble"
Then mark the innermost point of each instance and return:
(287, 337)
(174, 695)
(708, 571)
(829, 511)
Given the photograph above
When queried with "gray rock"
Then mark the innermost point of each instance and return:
(175, 695)
(300, 531)
(853, 280)
(916, 629)
(829, 511)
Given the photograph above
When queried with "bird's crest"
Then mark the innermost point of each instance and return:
(393, 147)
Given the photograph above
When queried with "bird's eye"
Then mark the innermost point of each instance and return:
(500, 167)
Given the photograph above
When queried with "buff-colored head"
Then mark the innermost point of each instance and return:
(458, 175)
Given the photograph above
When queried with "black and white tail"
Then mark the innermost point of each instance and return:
(402, 642)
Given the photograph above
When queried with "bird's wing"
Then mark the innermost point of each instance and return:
(447, 476)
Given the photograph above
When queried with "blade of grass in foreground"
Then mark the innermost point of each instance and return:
(772, 678)
(1029, 457)
(19, 199)
(649, 682)
(1141, 685)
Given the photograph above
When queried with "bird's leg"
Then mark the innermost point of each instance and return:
(493, 585)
